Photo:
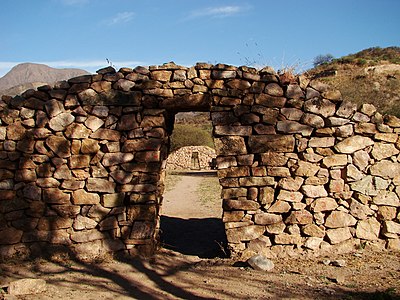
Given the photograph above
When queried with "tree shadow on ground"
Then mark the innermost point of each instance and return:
(172, 276)
(204, 238)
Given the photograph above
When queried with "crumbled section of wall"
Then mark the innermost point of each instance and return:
(82, 163)
(185, 158)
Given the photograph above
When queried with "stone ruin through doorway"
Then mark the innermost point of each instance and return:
(82, 164)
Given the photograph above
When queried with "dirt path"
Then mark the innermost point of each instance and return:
(183, 200)
(187, 266)
(189, 224)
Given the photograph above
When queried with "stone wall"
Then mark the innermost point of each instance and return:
(82, 163)
(182, 159)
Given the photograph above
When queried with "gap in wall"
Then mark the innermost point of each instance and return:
(191, 213)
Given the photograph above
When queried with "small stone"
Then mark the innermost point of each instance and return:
(261, 263)
(326, 262)
(338, 263)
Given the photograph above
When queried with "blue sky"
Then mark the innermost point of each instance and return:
(84, 33)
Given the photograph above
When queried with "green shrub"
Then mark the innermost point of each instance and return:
(190, 135)
(361, 61)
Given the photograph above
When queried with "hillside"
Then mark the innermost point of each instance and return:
(369, 76)
(29, 75)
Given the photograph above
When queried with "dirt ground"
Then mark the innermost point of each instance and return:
(190, 265)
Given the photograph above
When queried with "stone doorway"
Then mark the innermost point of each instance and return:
(190, 221)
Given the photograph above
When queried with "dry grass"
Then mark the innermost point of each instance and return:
(209, 191)
(171, 179)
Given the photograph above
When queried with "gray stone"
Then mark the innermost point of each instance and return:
(261, 263)
(364, 186)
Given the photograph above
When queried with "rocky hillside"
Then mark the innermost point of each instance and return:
(28, 75)
(369, 76)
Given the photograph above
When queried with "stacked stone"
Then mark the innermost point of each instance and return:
(300, 167)
(82, 163)
(181, 159)
(80, 175)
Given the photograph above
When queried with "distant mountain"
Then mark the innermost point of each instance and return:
(30, 75)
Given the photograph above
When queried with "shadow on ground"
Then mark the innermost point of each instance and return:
(204, 238)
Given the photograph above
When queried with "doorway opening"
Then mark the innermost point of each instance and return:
(191, 212)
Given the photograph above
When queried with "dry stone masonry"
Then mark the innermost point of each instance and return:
(185, 158)
(82, 163)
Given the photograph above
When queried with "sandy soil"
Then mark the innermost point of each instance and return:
(188, 267)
